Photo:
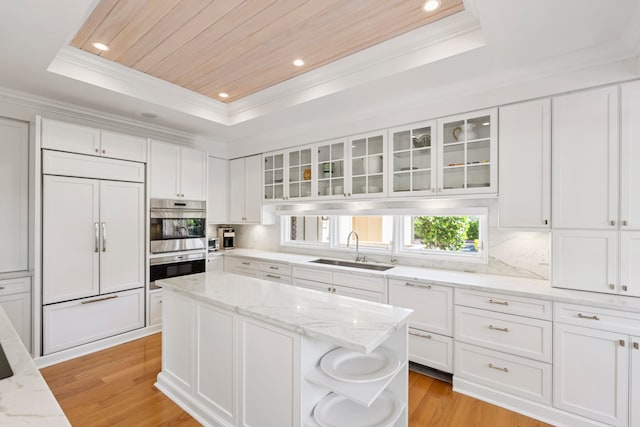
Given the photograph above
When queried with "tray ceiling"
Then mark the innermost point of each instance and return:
(242, 47)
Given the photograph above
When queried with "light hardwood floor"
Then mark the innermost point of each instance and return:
(114, 387)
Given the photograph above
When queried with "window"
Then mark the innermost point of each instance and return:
(373, 231)
(442, 234)
(311, 229)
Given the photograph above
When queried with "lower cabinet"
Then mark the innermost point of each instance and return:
(361, 286)
(81, 321)
(15, 299)
(155, 307)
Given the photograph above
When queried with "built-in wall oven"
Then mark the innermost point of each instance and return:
(174, 266)
(177, 225)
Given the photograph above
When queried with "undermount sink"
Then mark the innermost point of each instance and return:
(376, 267)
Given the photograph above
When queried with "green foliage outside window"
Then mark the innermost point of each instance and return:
(447, 233)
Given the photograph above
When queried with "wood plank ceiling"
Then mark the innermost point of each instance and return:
(239, 46)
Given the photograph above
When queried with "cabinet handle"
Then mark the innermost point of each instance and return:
(546, 222)
(99, 299)
(274, 268)
(246, 263)
(104, 237)
(104, 151)
(498, 302)
(415, 334)
(492, 366)
(273, 276)
(348, 194)
(333, 290)
(624, 288)
(440, 189)
(415, 285)
(1, 288)
(582, 316)
(624, 223)
(498, 329)
(97, 151)
(636, 345)
(612, 222)
(329, 289)
(622, 343)
(612, 286)
(433, 190)
(97, 237)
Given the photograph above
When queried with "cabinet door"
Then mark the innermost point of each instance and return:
(585, 260)
(178, 339)
(367, 163)
(125, 147)
(525, 165)
(331, 170)
(193, 174)
(164, 163)
(432, 305)
(300, 175)
(634, 378)
(412, 160)
(629, 157)
(629, 265)
(69, 137)
(18, 309)
(359, 293)
(218, 200)
(236, 190)
(214, 263)
(585, 159)
(274, 176)
(584, 357)
(70, 238)
(122, 236)
(253, 193)
(14, 193)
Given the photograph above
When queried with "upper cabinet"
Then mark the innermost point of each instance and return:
(95, 142)
(177, 172)
(287, 174)
(218, 189)
(525, 165)
(330, 169)
(412, 159)
(245, 183)
(468, 153)
(629, 216)
(367, 165)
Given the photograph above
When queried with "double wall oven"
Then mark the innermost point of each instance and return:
(178, 229)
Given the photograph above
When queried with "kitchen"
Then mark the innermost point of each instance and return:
(379, 142)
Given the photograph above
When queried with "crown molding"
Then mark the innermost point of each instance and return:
(86, 67)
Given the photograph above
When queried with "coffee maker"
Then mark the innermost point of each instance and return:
(226, 237)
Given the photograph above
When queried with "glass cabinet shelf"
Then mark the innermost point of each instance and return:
(412, 159)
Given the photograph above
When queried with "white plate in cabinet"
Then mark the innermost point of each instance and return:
(432, 350)
(274, 277)
(432, 304)
(155, 308)
(512, 334)
(521, 306)
(597, 318)
(77, 322)
(512, 374)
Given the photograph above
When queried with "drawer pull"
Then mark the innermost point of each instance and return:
(273, 276)
(415, 285)
(246, 263)
(1, 288)
(622, 343)
(498, 302)
(274, 268)
(582, 316)
(99, 299)
(498, 329)
(492, 366)
(415, 334)
(636, 345)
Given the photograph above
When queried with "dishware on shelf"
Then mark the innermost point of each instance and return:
(374, 165)
(307, 174)
(352, 366)
(422, 141)
(336, 410)
(464, 132)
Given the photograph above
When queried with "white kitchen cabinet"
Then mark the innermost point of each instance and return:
(81, 321)
(178, 332)
(432, 350)
(468, 153)
(525, 165)
(585, 159)
(629, 217)
(14, 193)
(629, 283)
(86, 140)
(288, 174)
(274, 180)
(331, 164)
(412, 160)
(366, 165)
(245, 190)
(432, 304)
(155, 307)
(218, 190)
(634, 379)
(214, 263)
(93, 237)
(15, 299)
(177, 172)
(361, 286)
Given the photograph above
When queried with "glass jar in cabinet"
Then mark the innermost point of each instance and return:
(330, 170)
(367, 161)
(412, 160)
(273, 170)
(467, 153)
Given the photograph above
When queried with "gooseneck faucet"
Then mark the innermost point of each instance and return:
(352, 232)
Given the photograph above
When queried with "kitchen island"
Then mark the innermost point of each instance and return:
(245, 351)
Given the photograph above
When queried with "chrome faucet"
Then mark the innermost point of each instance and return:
(352, 232)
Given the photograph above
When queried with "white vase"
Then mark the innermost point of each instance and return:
(468, 132)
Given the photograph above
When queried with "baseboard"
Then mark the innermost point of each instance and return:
(92, 347)
(547, 414)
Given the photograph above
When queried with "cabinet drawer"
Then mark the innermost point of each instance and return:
(359, 293)
(432, 304)
(69, 164)
(155, 308)
(432, 350)
(351, 280)
(277, 268)
(73, 323)
(597, 318)
(512, 374)
(313, 274)
(521, 306)
(275, 277)
(232, 264)
(517, 335)
(15, 286)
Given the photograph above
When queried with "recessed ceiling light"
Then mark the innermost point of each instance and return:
(431, 5)
(223, 95)
(101, 46)
(298, 62)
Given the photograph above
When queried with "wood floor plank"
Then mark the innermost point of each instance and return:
(114, 387)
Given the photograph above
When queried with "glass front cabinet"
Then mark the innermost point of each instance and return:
(412, 159)
(288, 174)
(467, 153)
(367, 161)
(330, 169)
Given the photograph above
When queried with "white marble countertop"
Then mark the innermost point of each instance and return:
(25, 398)
(509, 285)
(347, 322)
